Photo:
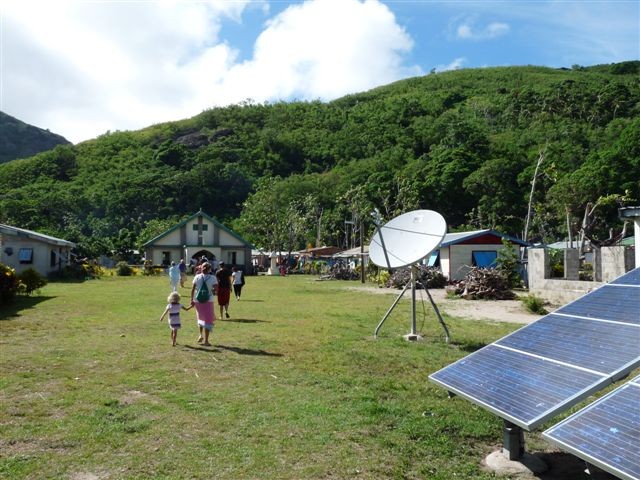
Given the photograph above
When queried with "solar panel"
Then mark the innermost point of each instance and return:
(608, 347)
(605, 433)
(540, 370)
(630, 278)
(610, 302)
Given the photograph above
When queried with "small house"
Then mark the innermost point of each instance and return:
(197, 236)
(21, 249)
(460, 251)
(354, 256)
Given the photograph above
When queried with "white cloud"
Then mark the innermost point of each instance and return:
(81, 68)
(323, 49)
(468, 30)
(454, 65)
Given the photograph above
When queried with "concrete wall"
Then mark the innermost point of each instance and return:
(560, 292)
(538, 267)
(155, 254)
(616, 261)
(610, 263)
(456, 261)
(41, 258)
(183, 243)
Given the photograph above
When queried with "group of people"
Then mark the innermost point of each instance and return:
(205, 286)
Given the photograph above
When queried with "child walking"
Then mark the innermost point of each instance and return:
(173, 309)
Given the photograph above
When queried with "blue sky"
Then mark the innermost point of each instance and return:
(82, 67)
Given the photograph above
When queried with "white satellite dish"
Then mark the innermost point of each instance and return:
(407, 239)
(403, 242)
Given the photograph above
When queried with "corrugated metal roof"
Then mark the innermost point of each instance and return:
(628, 241)
(459, 237)
(22, 232)
(352, 252)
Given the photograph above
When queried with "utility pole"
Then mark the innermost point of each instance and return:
(362, 264)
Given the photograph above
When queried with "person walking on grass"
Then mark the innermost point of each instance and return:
(205, 286)
(183, 272)
(174, 276)
(224, 288)
(238, 281)
(173, 309)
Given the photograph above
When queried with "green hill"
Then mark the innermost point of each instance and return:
(464, 143)
(20, 140)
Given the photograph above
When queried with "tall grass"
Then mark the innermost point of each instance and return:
(294, 387)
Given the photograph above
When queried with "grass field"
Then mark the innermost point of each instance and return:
(294, 387)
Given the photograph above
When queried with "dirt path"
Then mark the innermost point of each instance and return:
(511, 311)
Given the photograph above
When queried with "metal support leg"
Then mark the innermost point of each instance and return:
(435, 308)
(414, 274)
(375, 333)
(512, 441)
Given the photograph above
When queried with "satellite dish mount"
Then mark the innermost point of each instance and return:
(404, 242)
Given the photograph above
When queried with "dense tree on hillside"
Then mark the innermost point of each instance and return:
(21, 140)
(285, 175)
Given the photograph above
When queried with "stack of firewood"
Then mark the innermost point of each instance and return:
(486, 284)
(430, 276)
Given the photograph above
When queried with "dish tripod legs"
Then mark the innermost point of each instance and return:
(412, 283)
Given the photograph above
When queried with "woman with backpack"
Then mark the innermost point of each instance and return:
(204, 288)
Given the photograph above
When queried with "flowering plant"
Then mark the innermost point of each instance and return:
(9, 284)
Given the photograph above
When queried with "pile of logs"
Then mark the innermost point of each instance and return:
(486, 284)
(341, 271)
(430, 276)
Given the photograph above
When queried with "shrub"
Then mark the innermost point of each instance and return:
(32, 280)
(383, 278)
(148, 268)
(316, 267)
(123, 269)
(556, 263)
(509, 262)
(534, 304)
(9, 284)
(77, 271)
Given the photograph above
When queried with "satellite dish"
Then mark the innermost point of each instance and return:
(403, 242)
(407, 239)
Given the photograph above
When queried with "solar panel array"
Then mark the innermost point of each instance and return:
(605, 433)
(540, 370)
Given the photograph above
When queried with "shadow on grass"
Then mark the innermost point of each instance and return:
(12, 311)
(202, 349)
(242, 320)
(564, 466)
(256, 301)
(469, 346)
(247, 351)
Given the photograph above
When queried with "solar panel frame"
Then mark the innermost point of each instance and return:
(597, 432)
(609, 373)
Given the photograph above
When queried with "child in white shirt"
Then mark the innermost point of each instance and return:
(173, 309)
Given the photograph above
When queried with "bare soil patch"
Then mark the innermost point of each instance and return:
(511, 311)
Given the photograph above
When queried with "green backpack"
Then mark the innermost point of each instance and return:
(203, 292)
